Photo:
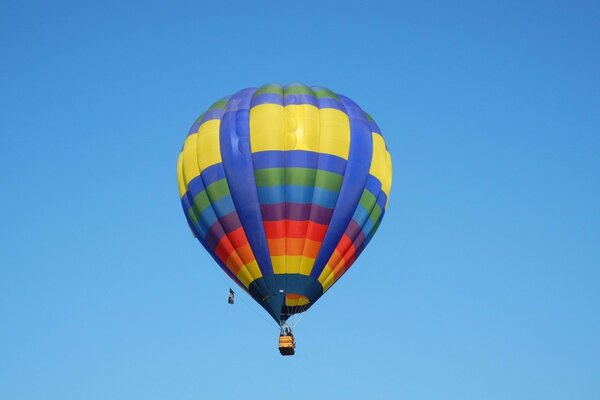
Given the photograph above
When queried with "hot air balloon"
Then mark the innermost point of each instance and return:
(284, 187)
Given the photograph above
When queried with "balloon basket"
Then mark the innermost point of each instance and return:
(287, 345)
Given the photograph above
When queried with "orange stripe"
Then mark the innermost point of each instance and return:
(335, 258)
(294, 247)
(311, 248)
(234, 263)
(245, 253)
(339, 269)
(276, 246)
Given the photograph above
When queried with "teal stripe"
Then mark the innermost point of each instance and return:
(297, 194)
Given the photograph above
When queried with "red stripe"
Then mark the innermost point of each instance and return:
(295, 229)
(238, 237)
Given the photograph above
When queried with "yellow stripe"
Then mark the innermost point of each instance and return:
(306, 265)
(326, 278)
(378, 160)
(387, 182)
(180, 182)
(245, 277)
(266, 127)
(292, 264)
(278, 263)
(254, 269)
(302, 129)
(248, 273)
(190, 168)
(299, 127)
(300, 301)
(209, 146)
(335, 132)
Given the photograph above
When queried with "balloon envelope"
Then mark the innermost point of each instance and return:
(284, 187)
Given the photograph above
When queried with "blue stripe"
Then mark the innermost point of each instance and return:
(296, 99)
(355, 179)
(298, 159)
(237, 162)
(375, 128)
(267, 98)
(194, 128)
(368, 226)
(195, 186)
(211, 114)
(297, 194)
(223, 206)
(215, 113)
(361, 215)
(327, 102)
(288, 99)
(381, 200)
(373, 185)
(300, 99)
(213, 173)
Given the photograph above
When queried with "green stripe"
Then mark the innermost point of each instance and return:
(367, 200)
(325, 93)
(298, 89)
(375, 227)
(375, 214)
(269, 88)
(216, 191)
(219, 104)
(298, 177)
(200, 117)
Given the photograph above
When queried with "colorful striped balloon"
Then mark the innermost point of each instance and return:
(284, 187)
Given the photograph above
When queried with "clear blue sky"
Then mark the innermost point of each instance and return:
(490, 249)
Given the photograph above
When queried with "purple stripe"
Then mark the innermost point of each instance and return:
(355, 233)
(224, 225)
(296, 212)
(353, 229)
